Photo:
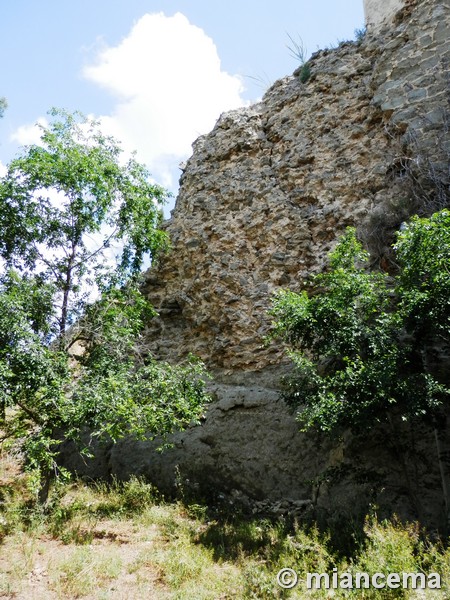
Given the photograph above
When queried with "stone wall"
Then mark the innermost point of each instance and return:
(378, 12)
(262, 201)
(266, 194)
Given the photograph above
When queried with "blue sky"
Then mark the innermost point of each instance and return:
(157, 73)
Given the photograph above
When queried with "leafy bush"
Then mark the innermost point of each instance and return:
(364, 343)
(360, 339)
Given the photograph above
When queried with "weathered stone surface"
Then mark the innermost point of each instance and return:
(378, 12)
(266, 193)
(249, 453)
(262, 201)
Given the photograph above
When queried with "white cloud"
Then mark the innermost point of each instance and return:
(170, 88)
(29, 134)
(3, 169)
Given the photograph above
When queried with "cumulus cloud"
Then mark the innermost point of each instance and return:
(29, 134)
(170, 88)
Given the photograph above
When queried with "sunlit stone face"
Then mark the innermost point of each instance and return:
(379, 11)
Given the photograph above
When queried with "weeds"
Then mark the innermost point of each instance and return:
(124, 540)
(360, 34)
(305, 72)
(299, 52)
(263, 81)
(297, 49)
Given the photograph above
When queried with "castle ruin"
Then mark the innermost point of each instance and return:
(262, 201)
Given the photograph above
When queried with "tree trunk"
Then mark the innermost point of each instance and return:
(44, 487)
(66, 291)
(443, 456)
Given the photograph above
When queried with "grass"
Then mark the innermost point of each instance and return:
(298, 51)
(124, 541)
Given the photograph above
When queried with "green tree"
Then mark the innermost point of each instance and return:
(423, 284)
(61, 195)
(366, 345)
(3, 106)
(73, 219)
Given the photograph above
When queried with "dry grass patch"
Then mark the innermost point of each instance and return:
(124, 542)
(98, 542)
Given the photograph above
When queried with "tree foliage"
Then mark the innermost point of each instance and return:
(363, 342)
(423, 252)
(67, 201)
(3, 106)
(73, 219)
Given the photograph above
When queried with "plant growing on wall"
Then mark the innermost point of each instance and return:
(298, 50)
(367, 346)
